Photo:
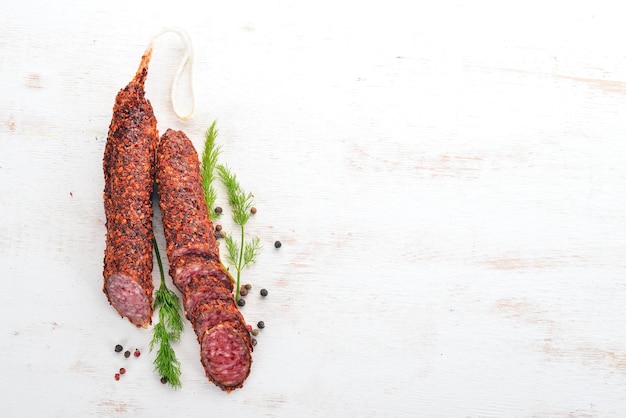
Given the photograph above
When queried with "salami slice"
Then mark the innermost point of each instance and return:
(211, 314)
(128, 165)
(204, 289)
(225, 357)
(183, 268)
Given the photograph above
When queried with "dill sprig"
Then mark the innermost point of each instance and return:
(240, 202)
(209, 161)
(239, 254)
(167, 330)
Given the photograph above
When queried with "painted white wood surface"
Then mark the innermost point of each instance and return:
(448, 181)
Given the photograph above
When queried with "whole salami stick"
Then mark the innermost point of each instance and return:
(195, 266)
(129, 159)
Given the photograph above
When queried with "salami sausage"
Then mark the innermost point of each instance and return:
(195, 266)
(184, 268)
(215, 312)
(225, 357)
(129, 161)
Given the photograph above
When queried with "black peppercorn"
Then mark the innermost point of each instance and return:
(164, 380)
(261, 325)
(277, 244)
(263, 292)
(243, 291)
(118, 348)
(241, 302)
(218, 209)
(126, 353)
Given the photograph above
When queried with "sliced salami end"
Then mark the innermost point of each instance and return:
(211, 314)
(184, 269)
(225, 357)
(129, 299)
(242, 331)
(197, 293)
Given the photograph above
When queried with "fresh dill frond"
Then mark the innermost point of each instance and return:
(251, 251)
(240, 254)
(232, 249)
(165, 361)
(209, 162)
(167, 330)
(240, 201)
(169, 307)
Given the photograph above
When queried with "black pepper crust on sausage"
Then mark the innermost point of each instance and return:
(195, 266)
(128, 164)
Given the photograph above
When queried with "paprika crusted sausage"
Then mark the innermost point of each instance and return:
(129, 163)
(195, 266)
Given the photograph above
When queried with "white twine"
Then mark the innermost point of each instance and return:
(187, 60)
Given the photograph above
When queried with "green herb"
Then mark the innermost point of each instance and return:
(239, 254)
(167, 330)
(209, 161)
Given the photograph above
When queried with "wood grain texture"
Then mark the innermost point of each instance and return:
(448, 182)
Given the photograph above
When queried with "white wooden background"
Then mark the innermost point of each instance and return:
(448, 181)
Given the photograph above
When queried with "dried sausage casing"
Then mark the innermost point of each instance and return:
(129, 164)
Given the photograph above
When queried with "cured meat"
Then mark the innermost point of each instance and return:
(213, 313)
(225, 357)
(183, 268)
(195, 266)
(203, 289)
(187, 228)
(128, 164)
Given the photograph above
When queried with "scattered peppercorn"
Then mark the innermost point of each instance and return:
(241, 302)
(253, 342)
(218, 209)
(277, 244)
(137, 353)
(263, 292)
(248, 286)
(117, 376)
(249, 327)
(243, 291)
(126, 353)
(164, 380)
(253, 210)
(254, 332)
(261, 325)
(122, 370)
(218, 228)
(118, 348)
